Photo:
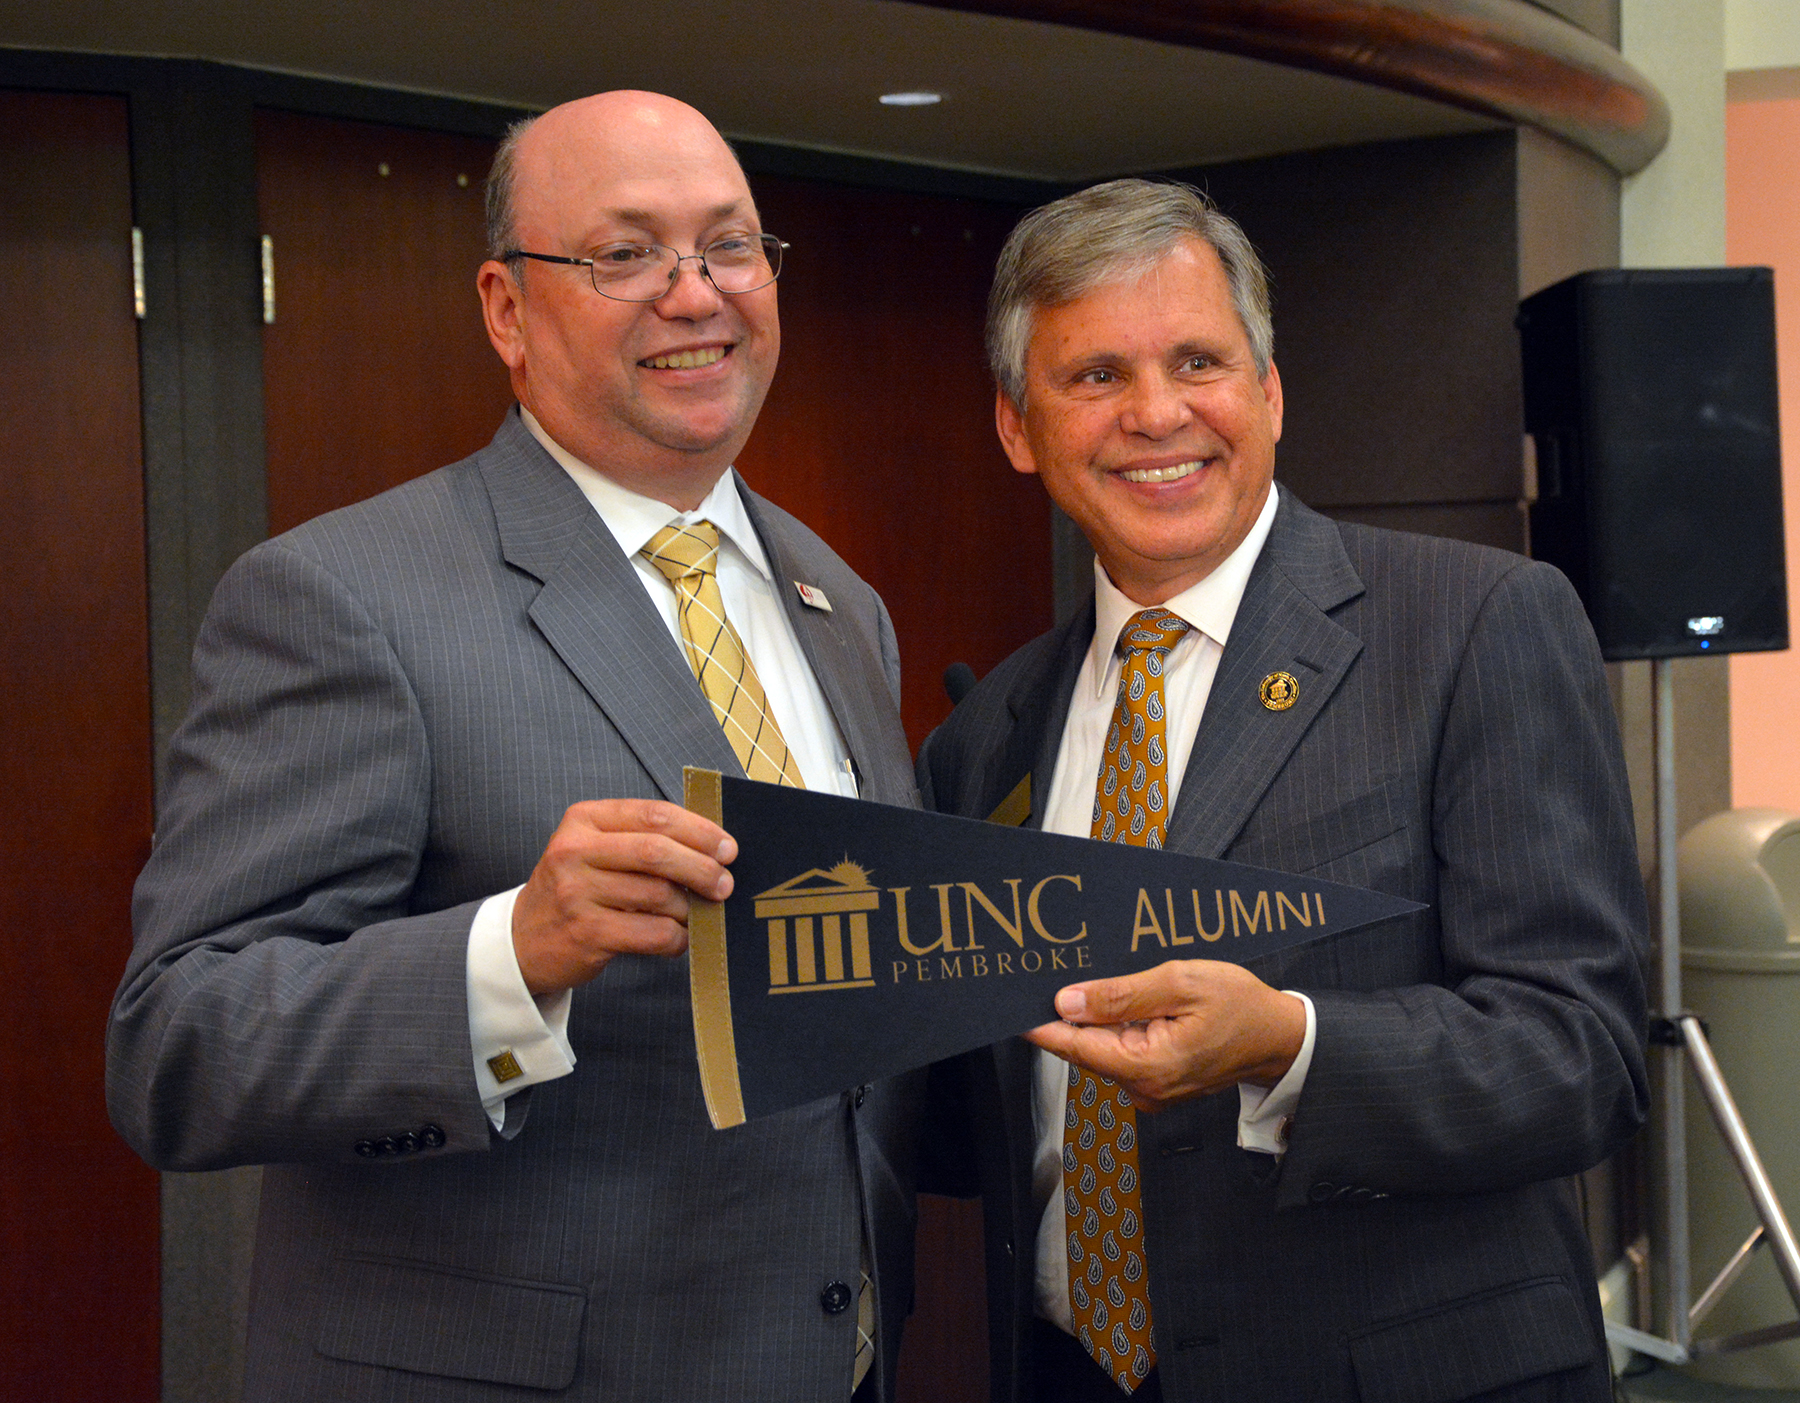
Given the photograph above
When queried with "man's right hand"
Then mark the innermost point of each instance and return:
(614, 880)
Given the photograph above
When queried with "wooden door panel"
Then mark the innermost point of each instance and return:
(78, 1211)
(376, 368)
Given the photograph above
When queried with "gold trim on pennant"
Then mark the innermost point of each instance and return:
(1280, 690)
(1015, 808)
(709, 977)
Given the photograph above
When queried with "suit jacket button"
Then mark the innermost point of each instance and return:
(862, 1093)
(366, 1148)
(1321, 1192)
(835, 1298)
(406, 1143)
(431, 1137)
(387, 1145)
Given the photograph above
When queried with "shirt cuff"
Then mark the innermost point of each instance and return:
(1264, 1111)
(518, 1040)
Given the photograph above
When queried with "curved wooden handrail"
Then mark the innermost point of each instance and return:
(1504, 58)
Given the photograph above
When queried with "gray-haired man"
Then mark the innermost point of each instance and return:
(1344, 1175)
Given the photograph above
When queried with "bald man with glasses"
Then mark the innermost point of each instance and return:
(413, 932)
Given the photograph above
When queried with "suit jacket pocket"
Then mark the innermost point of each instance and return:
(1359, 822)
(457, 1324)
(1475, 1344)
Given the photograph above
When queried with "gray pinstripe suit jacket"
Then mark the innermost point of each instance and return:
(1454, 743)
(394, 704)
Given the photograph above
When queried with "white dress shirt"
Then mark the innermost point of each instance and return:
(1188, 672)
(503, 1014)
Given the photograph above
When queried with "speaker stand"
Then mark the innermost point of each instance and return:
(1678, 1038)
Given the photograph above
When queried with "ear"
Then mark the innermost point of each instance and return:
(1271, 388)
(503, 311)
(1009, 422)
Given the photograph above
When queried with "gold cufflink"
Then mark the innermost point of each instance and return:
(505, 1067)
(1280, 690)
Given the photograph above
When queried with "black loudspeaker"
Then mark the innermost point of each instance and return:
(1651, 396)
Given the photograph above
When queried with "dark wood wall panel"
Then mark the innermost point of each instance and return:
(1395, 276)
(376, 368)
(78, 1210)
(944, 1355)
(200, 348)
(879, 431)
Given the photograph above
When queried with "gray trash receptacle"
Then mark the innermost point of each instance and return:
(1740, 960)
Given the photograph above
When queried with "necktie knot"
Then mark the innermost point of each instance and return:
(679, 551)
(688, 558)
(1152, 630)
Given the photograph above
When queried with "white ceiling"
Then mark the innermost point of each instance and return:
(1021, 98)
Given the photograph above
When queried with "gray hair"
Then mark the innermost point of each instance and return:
(500, 181)
(1067, 248)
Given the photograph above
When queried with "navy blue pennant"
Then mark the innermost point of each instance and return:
(862, 940)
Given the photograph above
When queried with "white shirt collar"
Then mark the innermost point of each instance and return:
(634, 518)
(1210, 606)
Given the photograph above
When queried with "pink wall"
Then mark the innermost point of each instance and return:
(1762, 225)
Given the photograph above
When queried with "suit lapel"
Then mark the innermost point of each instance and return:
(1042, 707)
(593, 611)
(1281, 626)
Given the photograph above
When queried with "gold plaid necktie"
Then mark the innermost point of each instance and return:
(688, 557)
(1109, 1285)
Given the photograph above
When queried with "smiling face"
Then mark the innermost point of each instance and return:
(1146, 418)
(659, 396)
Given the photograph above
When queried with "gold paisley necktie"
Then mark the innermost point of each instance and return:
(688, 557)
(1109, 1284)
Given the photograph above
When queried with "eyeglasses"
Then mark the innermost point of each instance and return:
(625, 272)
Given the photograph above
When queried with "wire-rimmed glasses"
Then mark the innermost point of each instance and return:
(634, 272)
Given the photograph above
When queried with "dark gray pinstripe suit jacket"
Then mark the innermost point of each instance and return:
(393, 706)
(1453, 743)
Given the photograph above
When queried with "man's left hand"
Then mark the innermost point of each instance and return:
(1183, 1029)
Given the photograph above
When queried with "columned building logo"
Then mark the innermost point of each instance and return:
(807, 917)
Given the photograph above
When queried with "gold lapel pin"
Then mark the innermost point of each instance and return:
(1280, 690)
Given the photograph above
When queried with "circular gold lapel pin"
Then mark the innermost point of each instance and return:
(1280, 690)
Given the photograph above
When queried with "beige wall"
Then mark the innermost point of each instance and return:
(1762, 202)
(1672, 215)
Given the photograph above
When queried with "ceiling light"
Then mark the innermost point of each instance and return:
(911, 99)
